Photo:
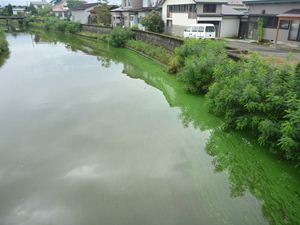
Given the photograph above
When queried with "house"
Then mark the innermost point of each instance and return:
(272, 11)
(19, 11)
(81, 13)
(39, 4)
(61, 10)
(178, 14)
(131, 12)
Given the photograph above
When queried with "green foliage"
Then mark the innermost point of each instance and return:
(72, 27)
(73, 3)
(54, 24)
(259, 96)
(3, 42)
(195, 60)
(297, 80)
(101, 14)
(153, 22)
(156, 52)
(7, 10)
(260, 31)
(119, 36)
(33, 10)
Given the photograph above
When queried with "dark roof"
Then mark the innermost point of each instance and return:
(249, 2)
(84, 6)
(290, 13)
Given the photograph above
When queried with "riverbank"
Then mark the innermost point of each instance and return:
(3, 43)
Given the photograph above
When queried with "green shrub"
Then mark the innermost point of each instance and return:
(119, 36)
(196, 60)
(259, 96)
(3, 42)
(60, 26)
(72, 27)
(153, 22)
(260, 29)
(157, 52)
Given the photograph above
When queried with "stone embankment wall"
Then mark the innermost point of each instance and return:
(166, 41)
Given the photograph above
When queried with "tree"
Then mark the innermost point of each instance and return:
(32, 9)
(73, 3)
(8, 10)
(101, 14)
(260, 31)
(153, 22)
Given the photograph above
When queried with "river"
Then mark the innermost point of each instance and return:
(95, 135)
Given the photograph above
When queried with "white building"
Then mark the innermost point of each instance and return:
(132, 11)
(61, 10)
(39, 4)
(19, 11)
(178, 14)
(81, 13)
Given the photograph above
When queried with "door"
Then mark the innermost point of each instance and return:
(294, 31)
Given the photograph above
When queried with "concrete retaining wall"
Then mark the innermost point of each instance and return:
(96, 29)
(167, 42)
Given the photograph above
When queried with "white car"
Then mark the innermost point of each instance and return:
(201, 30)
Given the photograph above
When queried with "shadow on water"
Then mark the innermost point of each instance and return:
(250, 168)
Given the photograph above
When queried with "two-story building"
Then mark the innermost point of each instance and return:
(271, 11)
(131, 12)
(178, 14)
(61, 10)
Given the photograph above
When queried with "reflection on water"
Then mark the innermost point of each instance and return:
(118, 153)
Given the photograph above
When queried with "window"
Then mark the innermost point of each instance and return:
(284, 24)
(194, 29)
(201, 29)
(209, 8)
(270, 21)
(210, 29)
(182, 8)
(188, 29)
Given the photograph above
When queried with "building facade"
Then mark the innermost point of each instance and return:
(271, 11)
(61, 10)
(81, 13)
(131, 12)
(178, 14)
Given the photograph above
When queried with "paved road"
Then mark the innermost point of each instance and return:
(265, 50)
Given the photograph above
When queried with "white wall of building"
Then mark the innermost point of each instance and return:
(173, 2)
(81, 16)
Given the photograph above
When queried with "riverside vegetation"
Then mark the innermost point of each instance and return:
(250, 94)
(3, 43)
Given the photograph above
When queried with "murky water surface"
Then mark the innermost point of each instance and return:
(94, 135)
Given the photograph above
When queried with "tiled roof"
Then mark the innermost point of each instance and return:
(291, 13)
(85, 6)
